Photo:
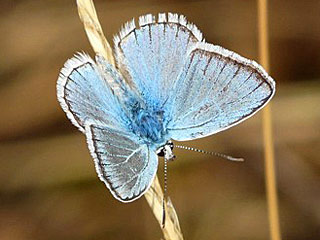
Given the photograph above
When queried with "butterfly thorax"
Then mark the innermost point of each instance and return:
(149, 126)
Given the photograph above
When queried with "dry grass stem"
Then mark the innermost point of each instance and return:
(101, 46)
(267, 128)
(88, 16)
(154, 198)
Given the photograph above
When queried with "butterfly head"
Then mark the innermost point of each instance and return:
(166, 151)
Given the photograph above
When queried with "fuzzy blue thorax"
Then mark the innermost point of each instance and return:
(149, 126)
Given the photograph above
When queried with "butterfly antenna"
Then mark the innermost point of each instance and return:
(165, 192)
(221, 155)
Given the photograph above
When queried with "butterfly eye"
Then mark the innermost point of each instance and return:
(160, 152)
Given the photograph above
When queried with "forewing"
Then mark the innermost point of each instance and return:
(84, 93)
(125, 166)
(151, 56)
(216, 89)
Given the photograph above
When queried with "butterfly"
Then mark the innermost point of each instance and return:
(167, 84)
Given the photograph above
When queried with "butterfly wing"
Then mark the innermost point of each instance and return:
(150, 57)
(125, 166)
(94, 95)
(202, 88)
(216, 89)
(84, 93)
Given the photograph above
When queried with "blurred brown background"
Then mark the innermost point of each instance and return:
(48, 185)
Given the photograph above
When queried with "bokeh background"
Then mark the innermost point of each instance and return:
(48, 185)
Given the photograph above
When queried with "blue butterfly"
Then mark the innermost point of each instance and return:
(168, 83)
